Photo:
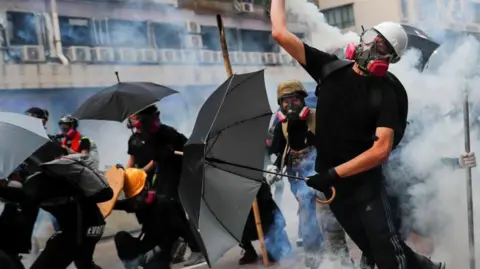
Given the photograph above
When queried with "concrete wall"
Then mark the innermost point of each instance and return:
(47, 76)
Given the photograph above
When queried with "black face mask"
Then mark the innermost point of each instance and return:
(292, 111)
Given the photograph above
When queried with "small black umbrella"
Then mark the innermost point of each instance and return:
(223, 162)
(418, 39)
(120, 101)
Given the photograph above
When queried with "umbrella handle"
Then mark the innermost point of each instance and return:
(329, 201)
(178, 153)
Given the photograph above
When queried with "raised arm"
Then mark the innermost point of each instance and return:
(286, 39)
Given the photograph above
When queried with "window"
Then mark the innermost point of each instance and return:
(476, 12)
(75, 31)
(168, 36)
(125, 33)
(22, 28)
(404, 8)
(341, 17)
(258, 41)
(211, 39)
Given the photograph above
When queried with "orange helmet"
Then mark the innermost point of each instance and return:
(134, 182)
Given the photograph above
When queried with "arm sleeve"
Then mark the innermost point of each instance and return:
(13, 194)
(388, 114)
(315, 60)
(128, 205)
(278, 141)
(84, 144)
(130, 149)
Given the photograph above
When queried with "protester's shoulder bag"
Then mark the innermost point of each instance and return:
(376, 96)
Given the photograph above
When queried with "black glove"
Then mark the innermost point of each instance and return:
(323, 181)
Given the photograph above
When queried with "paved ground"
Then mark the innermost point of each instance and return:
(106, 257)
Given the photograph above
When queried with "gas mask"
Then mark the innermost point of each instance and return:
(294, 110)
(146, 122)
(67, 130)
(372, 55)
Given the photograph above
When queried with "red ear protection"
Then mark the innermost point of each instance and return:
(281, 117)
(303, 115)
(350, 51)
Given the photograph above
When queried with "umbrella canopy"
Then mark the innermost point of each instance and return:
(418, 39)
(223, 162)
(20, 137)
(120, 101)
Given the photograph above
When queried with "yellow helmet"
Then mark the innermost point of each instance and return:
(290, 87)
(134, 182)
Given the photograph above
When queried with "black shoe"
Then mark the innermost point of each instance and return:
(248, 257)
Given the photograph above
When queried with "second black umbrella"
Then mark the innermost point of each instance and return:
(120, 101)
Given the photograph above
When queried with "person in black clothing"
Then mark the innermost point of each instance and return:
(164, 140)
(161, 219)
(80, 220)
(354, 141)
(141, 155)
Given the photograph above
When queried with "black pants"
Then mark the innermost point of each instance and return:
(186, 229)
(10, 261)
(371, 226)
(62, 249)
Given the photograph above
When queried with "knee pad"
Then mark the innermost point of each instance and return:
(126, 245)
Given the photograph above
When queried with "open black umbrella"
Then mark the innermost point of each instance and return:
(418, 39)
(223, 162)
(120, 101)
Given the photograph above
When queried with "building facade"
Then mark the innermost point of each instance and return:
(66, 43)
(449, 15)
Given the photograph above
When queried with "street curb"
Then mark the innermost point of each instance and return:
(110, 236)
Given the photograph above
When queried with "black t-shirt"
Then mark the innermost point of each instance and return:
(84, 144)
(139, 147)
(298, 135)
(345, 118)
(168, 166)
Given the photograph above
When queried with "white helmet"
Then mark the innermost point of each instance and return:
(396, 37)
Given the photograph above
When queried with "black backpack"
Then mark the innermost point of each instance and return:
(376, 98)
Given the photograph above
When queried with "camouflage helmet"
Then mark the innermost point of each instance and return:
(290, 87)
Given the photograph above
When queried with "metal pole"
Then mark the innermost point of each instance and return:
(468, 173)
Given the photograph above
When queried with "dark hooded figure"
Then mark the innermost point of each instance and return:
(71, 202)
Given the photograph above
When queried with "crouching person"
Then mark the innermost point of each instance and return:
(69, 188)
(161, 220)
